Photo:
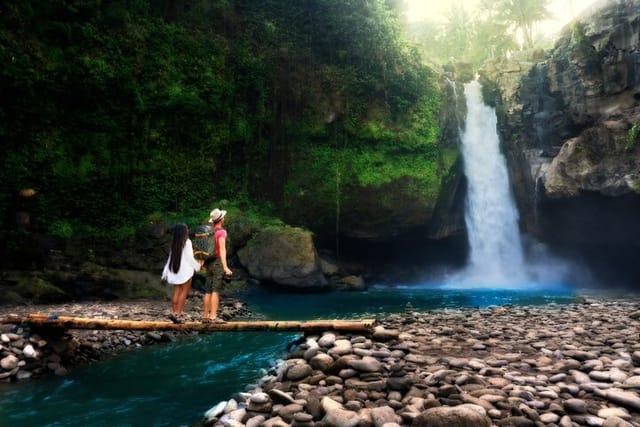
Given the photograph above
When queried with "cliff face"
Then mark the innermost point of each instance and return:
(570, 122)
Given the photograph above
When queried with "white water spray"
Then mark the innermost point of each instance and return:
(496, 254)
(497, 257)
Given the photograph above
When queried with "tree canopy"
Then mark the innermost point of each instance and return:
(495, 28)
(121, 110)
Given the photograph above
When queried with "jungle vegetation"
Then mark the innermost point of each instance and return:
(118, 112)
(493, 29)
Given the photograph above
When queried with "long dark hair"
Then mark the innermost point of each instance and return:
(180, 235)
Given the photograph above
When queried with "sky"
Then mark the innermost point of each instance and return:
(562, 10)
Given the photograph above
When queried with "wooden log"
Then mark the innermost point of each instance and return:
(67, 322)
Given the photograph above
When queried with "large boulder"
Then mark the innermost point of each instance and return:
(455, 416)
(285, 256)
(599, 160)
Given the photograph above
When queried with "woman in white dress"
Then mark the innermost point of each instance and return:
(179, 270)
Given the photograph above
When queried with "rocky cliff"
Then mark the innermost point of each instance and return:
(570, 122)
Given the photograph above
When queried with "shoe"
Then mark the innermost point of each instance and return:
(218, 320)
(207, 320)
(175, 318)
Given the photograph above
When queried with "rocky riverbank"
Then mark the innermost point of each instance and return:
(27, 353)
(555, 365)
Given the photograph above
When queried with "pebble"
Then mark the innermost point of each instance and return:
(25, 354)
(548, 366)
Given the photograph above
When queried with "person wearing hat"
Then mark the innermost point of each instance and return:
(216, 267)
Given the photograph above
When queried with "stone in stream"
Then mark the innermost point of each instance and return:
(625, 398)
(215, 411)
(455, 416)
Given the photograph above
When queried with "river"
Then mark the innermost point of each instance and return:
(173, 384)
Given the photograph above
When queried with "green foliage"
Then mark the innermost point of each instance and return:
(123, 110)
(578, 36)
(633, 137)
(494, 29)
(38, 289)
(61, 228)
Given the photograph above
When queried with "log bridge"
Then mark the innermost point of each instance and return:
(68, 322)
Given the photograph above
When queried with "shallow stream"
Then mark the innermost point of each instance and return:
(174, 384)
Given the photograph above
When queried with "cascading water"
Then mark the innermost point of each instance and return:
(496, 251)
(496, 254)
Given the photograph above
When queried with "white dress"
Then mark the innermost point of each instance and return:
(188, 265)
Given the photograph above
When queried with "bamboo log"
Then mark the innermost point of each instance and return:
(68, 322)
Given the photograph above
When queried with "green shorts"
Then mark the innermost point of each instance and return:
(215, 277)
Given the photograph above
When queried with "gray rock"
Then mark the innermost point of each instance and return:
(286, 256)
(625, 398)
(366, 364)
(9, 362)
(279, 396)
(382, 334)
(384, 415)
(299, 371)
(256, 421)
(29, 352)
(616, 422)
(456, 416)
(337, 416)
(322, 362)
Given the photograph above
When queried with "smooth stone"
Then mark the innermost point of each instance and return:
(337, 416)
(384, 415)
(616, 422)
(299, 371)
(279, 396)
(322, 362)
(327, 340)
(29, 352)
(614, 412)
(366, 364)
(633, 382)
(549, 418)
(382, 334)
(447, 416)
(575, 406)
(288, 411)
(9, 362)
(341, 347)
(259, 398)
(255, 421)
(624, 398)
(215, 410)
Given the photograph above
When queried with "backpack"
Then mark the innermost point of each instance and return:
(204, 245)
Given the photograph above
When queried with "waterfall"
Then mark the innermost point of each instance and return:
(496, 254)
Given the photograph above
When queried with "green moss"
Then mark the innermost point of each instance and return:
(38, 289)
(632, 139)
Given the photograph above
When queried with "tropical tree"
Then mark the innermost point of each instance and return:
(459, 31)
(522, 15)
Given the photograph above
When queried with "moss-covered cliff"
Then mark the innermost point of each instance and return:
(118, 111)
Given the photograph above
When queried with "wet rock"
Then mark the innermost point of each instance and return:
(457, 416)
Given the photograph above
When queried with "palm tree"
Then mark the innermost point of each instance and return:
(523, 15)
(458, 32)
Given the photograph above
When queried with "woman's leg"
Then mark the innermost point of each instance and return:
(213, 305)
(182, 298)
(175, 298)
(206, 302)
